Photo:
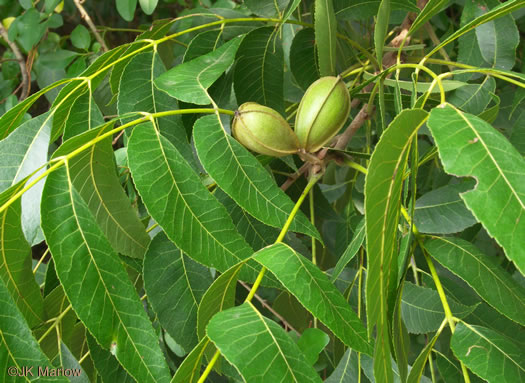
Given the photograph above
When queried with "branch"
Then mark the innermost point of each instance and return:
(89, 22)
(21, 62)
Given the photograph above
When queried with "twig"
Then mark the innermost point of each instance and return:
(295, 176)
(21, 62)
(269, 308)
(92, 26)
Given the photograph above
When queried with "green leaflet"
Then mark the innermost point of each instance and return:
(260, 349)
(96, 282)
(422, 309)
(175, 285)
(482, 273)
(177, 199)
(94, 175)
(190, 369)
(325, 36)
(189, 81)
(469, 146)
(15, 261)
(381, 29)
(137, 92)
(382, 203)
(259, 69)
(21, 348)
(442, 211)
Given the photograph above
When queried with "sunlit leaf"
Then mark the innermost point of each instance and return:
(469, 146)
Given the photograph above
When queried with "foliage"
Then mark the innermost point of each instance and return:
(139, 241)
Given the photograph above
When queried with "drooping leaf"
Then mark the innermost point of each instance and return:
(258, 347)
(469, 146)
(19, 347)
(104, 298)
(176, 198)
(243, 178)
(325, 36)
(315, 292)
(189, 81)
(491, 356)
(258, 75)
(94, 176)
(175, 285)
(15, 261)
(482, 273)
(382, 202)
(442, 211)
